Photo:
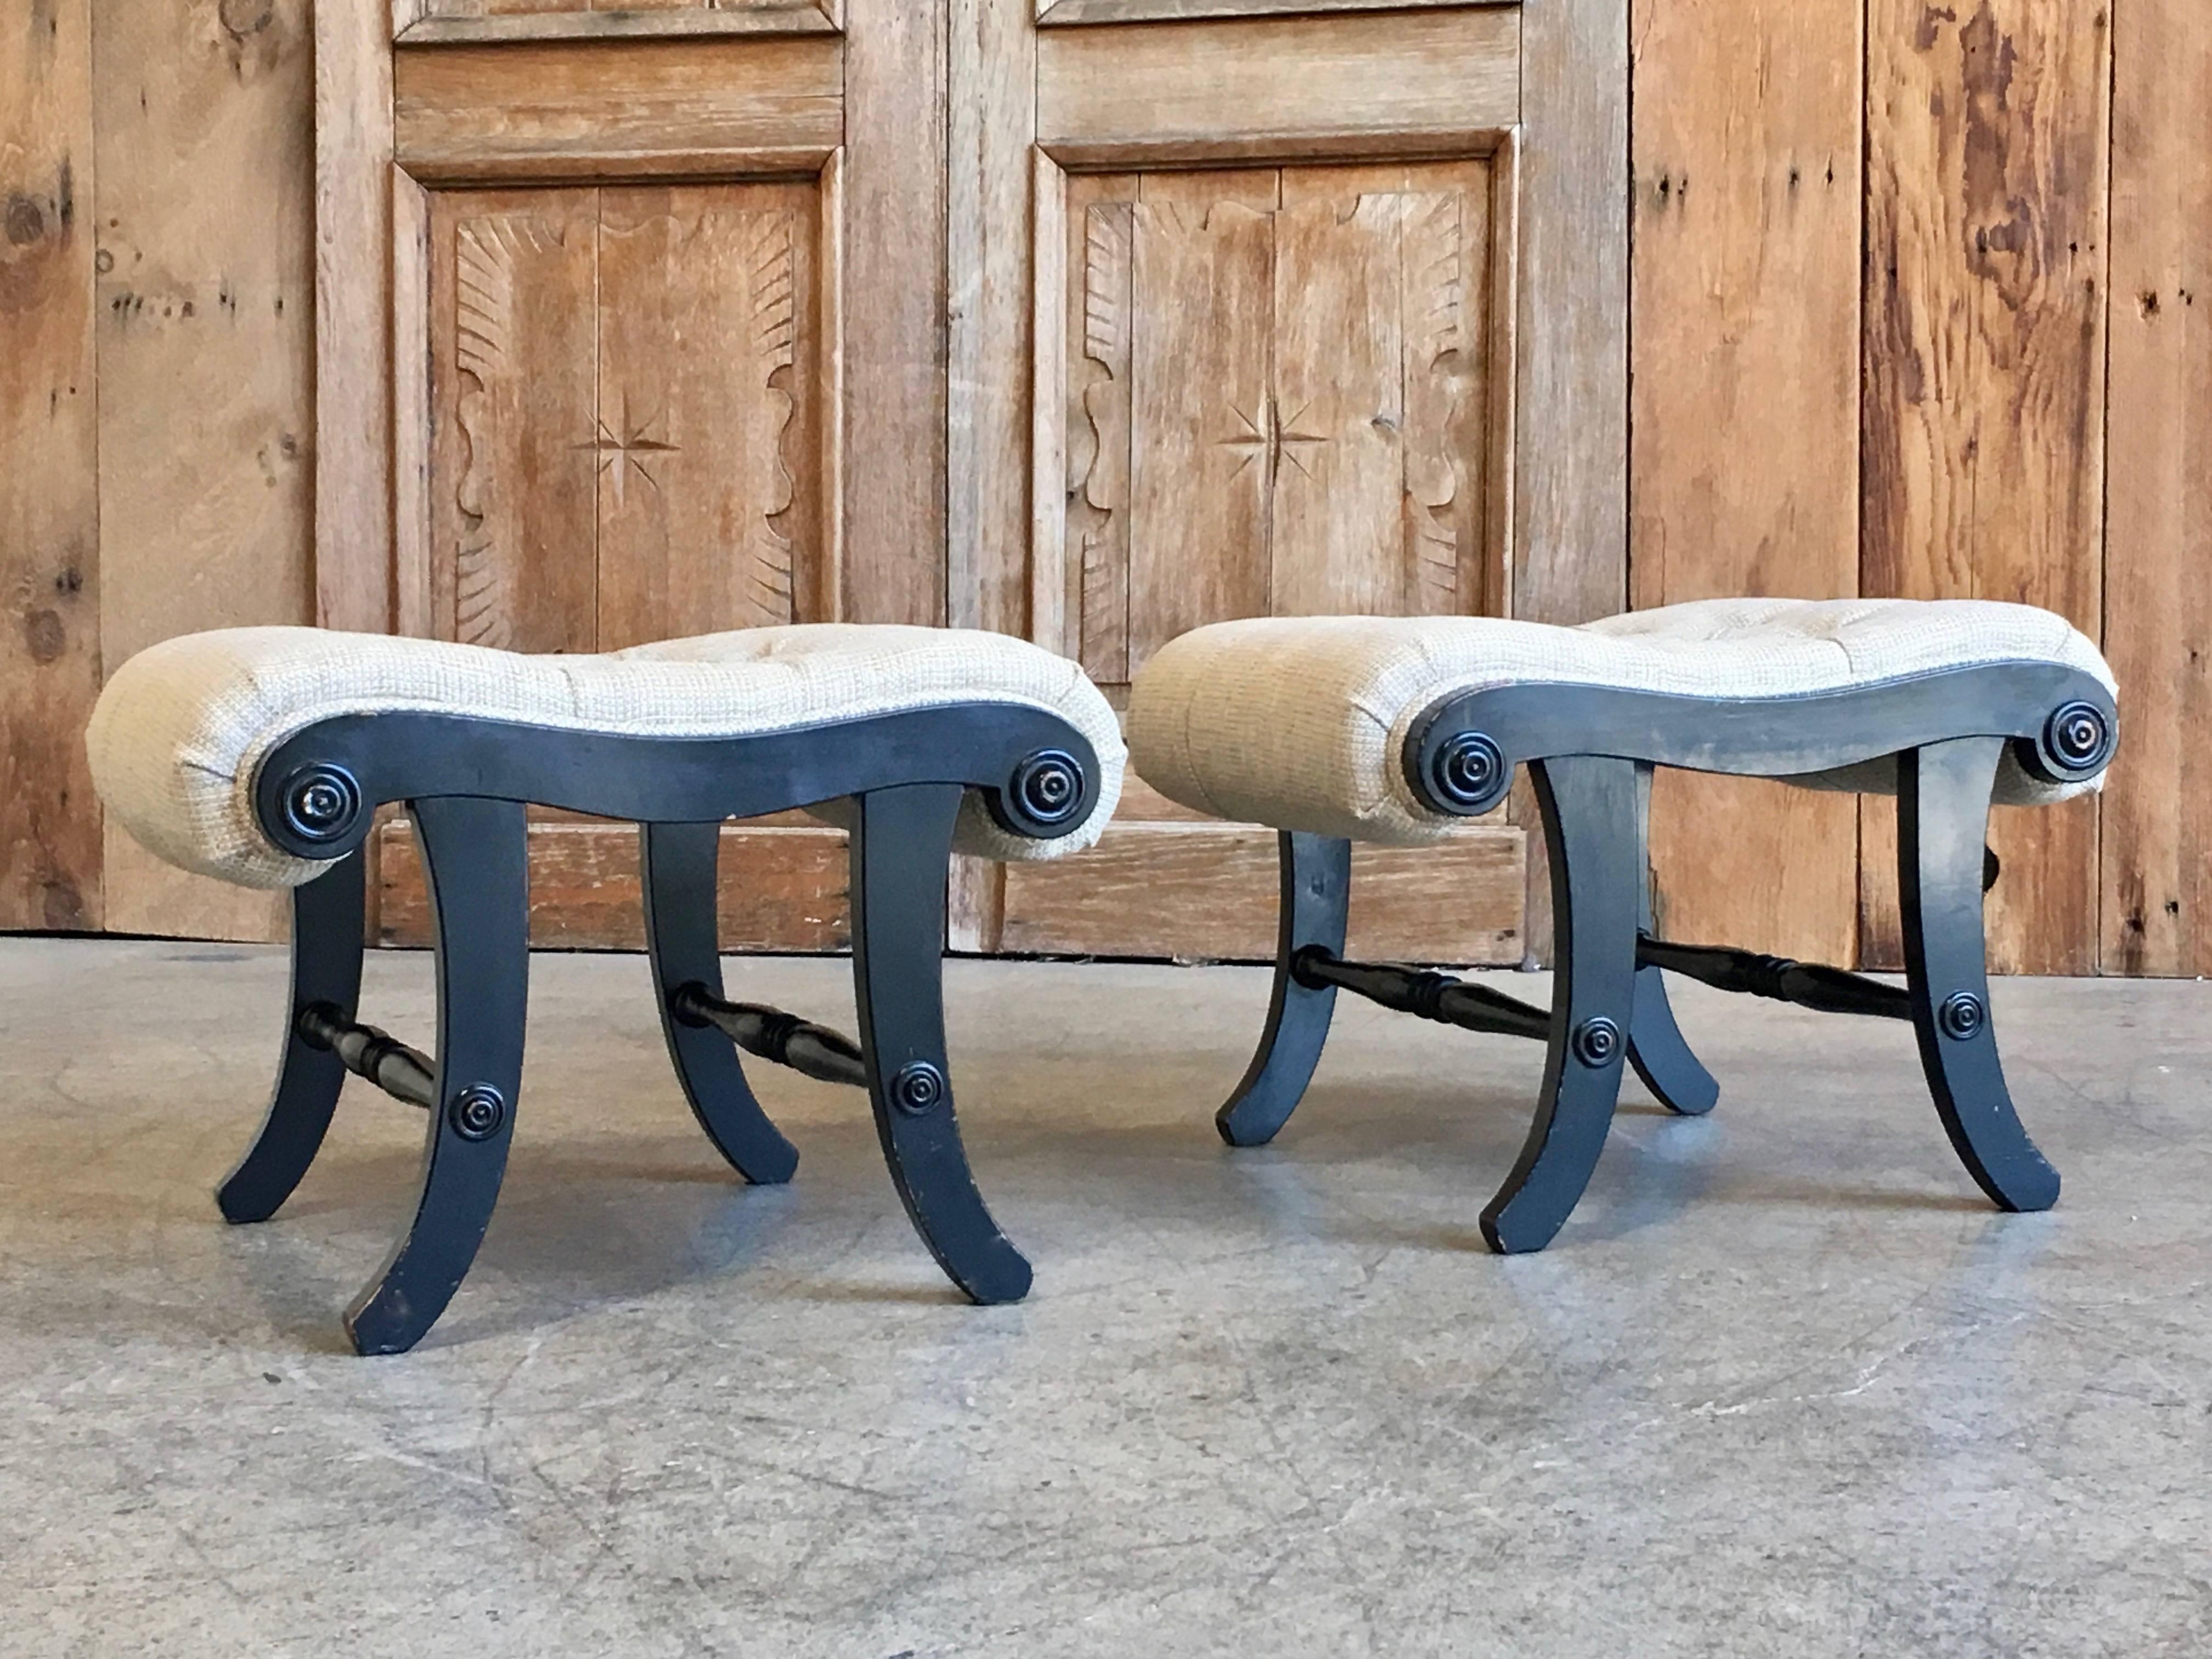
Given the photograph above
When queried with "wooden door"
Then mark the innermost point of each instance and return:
(1248, 292)
(1091, 321)
(595, 343)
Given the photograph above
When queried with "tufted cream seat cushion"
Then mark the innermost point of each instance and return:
(1297, 722)
(181, 727)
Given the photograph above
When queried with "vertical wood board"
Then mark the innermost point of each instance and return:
(353, 353)
(207, 407)
(49, 653)
(895, 312)
(1744, 465)
(1569, 558)
(1983, 434)
(2157, 850)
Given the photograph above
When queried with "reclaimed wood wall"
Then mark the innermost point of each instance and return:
(1918, 305)
(156, 400)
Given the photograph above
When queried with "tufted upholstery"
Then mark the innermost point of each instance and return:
(181, 728)
(1298, 722)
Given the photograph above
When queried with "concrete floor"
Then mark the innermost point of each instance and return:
(1785, 1385)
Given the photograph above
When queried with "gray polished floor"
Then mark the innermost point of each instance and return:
(1785, 1385)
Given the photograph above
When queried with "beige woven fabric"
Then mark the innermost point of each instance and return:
(1298, 722)
(182, 728)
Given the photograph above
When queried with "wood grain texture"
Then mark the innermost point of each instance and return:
(828, 600)
(1051, 12)
(50, 649)
(782, 889)
(352, 361)
(1205, 436)
(1570, 553)
(626, 414)
(2156, 847)
(460, 22)
(1051, 500)
(1208, 892)
(206, 352)
(634, 110)
(1746, 208)
(414, 580)
(581, 14)
(896, 316)
(1570, 540)
(1421, 83)
(1383, 303)
(1276, 398)
(992, 203)
(708, 443)
(1985, 403)
(991, 91)
(514, 387)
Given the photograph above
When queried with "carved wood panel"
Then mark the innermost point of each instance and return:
(1279, 399)
(582, 11)
(626, 428)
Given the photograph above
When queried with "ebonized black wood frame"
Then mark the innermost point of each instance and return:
(467, 783)
(1590, 752)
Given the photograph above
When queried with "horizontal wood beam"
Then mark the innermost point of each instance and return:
(803, 17)
(782, 888)
(633, 110)
(1395, 83)
(1209, 891)
(1051, 12)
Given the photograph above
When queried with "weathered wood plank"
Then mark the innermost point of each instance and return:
(636, 21)
(514, 383)
(710, 469)
(781, 889)
(992, 209)
(1202, 318)
(207, 408)
(50, 654)
(1419, 83)
(1570, 539)
(1984, 381)
(1209, 892)
(1570, 557)
(1747, 325)
(2157, 840)
(1052, 12)
(631, 110)
(993, 114)
(351, 135)
(895, 312)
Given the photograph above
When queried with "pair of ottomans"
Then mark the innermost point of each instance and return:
(260, 755)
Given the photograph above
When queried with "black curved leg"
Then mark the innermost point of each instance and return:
(1316, 887)
(679, 863)
(1589, 823)
(1943, 816)
(326, 948)
(1656, 1048)
(901, 844)
(476, 855)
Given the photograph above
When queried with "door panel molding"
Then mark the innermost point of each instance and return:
(1346, 87)
(458, 22)
(1347, 330)
(1052, 12)
(589, 294)
(567, 110)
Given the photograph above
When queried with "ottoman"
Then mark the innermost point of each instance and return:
(259, 756)
(1351, 728)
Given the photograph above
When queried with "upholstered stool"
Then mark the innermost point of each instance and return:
(1341, 729)
(259, 756)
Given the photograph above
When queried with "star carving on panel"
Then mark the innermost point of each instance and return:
(1272, 439)
(627, 448)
